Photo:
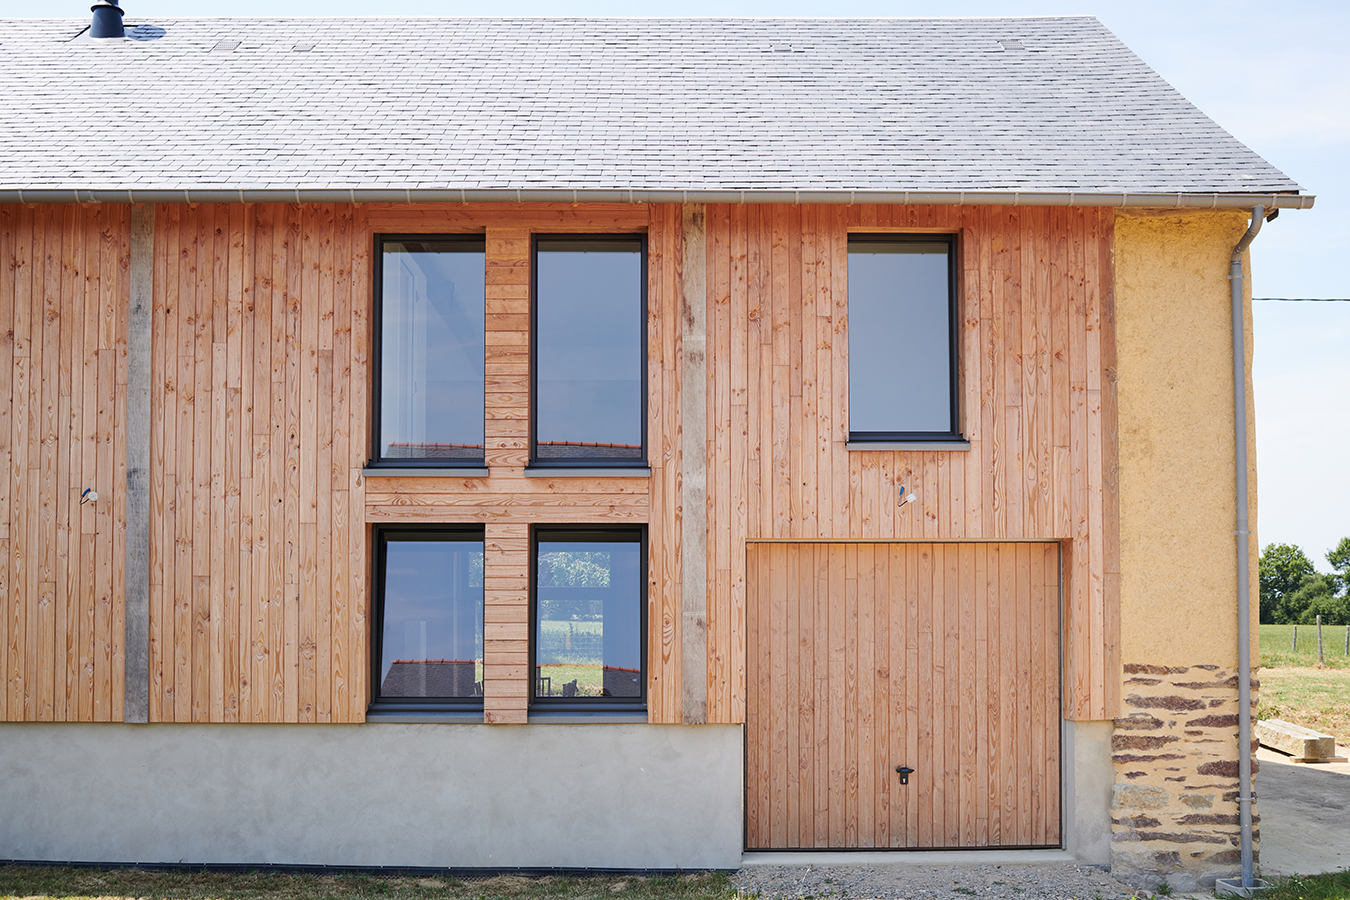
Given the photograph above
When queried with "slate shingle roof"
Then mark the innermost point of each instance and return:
(590, 104)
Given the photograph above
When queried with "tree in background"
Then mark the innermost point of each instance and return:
(1340, 563)
(1282, 569)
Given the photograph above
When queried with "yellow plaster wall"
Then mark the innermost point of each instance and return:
(1175, 401)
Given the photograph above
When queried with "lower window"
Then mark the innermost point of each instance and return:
(588, 646)
(429, 619)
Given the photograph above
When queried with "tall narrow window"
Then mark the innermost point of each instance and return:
(589, 644)
(901, 338)
(429, 645)
(431, 337)
(589, 371)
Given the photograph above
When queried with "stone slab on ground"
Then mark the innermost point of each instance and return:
(1062, 881)
(1305, 815)
(1303, 744)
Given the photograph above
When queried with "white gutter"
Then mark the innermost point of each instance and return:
(597, 195)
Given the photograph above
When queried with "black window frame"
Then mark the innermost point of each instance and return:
(953, 337)
(415, 705)
(606, 533)
(593, 463)
(376, 461)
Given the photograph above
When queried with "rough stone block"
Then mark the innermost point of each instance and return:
(1297, 741)
(1139, 796)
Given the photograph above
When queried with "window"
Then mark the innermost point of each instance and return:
(902, 374)
(429, 618)
(430, 340)
(588, 649)
(589, 367)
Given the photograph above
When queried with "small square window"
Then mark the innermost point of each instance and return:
(430, 338)
(589, 366)
(902, 360)
(428, 650)
(589, 644)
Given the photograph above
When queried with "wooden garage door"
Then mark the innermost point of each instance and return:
(940, 657)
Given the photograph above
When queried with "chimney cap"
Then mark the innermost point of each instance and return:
(107, 20)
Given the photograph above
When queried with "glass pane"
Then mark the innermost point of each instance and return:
(588, 641)
(433, 619)
(431, 353)
(588, 377)
(899, 337)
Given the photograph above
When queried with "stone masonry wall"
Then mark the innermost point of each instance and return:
(1174, 810)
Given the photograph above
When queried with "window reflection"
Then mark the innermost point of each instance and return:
(589, 372)
(588, 618)
(432, 350)
(899, 338)
(432, 627)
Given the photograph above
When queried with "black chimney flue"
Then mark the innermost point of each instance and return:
(107, 20)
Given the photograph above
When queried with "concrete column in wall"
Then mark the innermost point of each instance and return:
(136, 634)
(694, 464)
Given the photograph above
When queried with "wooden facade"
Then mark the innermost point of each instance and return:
(262, 515)
(864, 658)
(63, 320)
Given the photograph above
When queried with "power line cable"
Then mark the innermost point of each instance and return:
(1301, 299)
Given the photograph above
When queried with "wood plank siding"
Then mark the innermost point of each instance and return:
(940, 657)
(63, 313)
(1036, 395)
(262, 518)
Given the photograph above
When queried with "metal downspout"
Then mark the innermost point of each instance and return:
(1243, 550)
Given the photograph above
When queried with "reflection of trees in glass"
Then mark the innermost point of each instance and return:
(563, 568)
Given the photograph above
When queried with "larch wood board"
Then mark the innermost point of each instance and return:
(1036, 397)
(262, 516)
(943, 658)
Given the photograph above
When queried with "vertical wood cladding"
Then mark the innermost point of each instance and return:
(63, 313)
(258, 555)
(1036, 398)
(261, 402)
(865, 657)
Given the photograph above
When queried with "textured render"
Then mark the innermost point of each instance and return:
(622, 796)
(1175, 396)
(1174, 808)
(1026, 104)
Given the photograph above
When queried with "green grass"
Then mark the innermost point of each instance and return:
(1277, 646)
(1331, 886)
(1314, 698)
(116, 884)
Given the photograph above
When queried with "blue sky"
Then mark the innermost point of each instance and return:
(1276, 75)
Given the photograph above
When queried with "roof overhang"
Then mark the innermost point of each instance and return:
(592, 195)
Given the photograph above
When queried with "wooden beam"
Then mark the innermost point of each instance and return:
(136, 690)
(694, 452)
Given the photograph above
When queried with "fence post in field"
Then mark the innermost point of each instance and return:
(1347, 640)
(1319, 640)
(1294, 648)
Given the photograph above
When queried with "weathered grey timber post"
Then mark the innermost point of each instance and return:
(136, 633)
(1319, 641)
(694, 464)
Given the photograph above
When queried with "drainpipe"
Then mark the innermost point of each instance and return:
(1243, 552)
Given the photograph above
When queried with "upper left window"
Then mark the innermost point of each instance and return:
(431, 350)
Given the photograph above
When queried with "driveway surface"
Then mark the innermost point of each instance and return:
(1305, 814)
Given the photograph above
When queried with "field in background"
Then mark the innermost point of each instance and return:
(1277, 646)
(1295, 689)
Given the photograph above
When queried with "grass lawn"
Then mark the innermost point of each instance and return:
(23, 881)
(1331, 886)
(1314, 698)
(1277, 646)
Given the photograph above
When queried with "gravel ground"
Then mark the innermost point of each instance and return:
(905, 882)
